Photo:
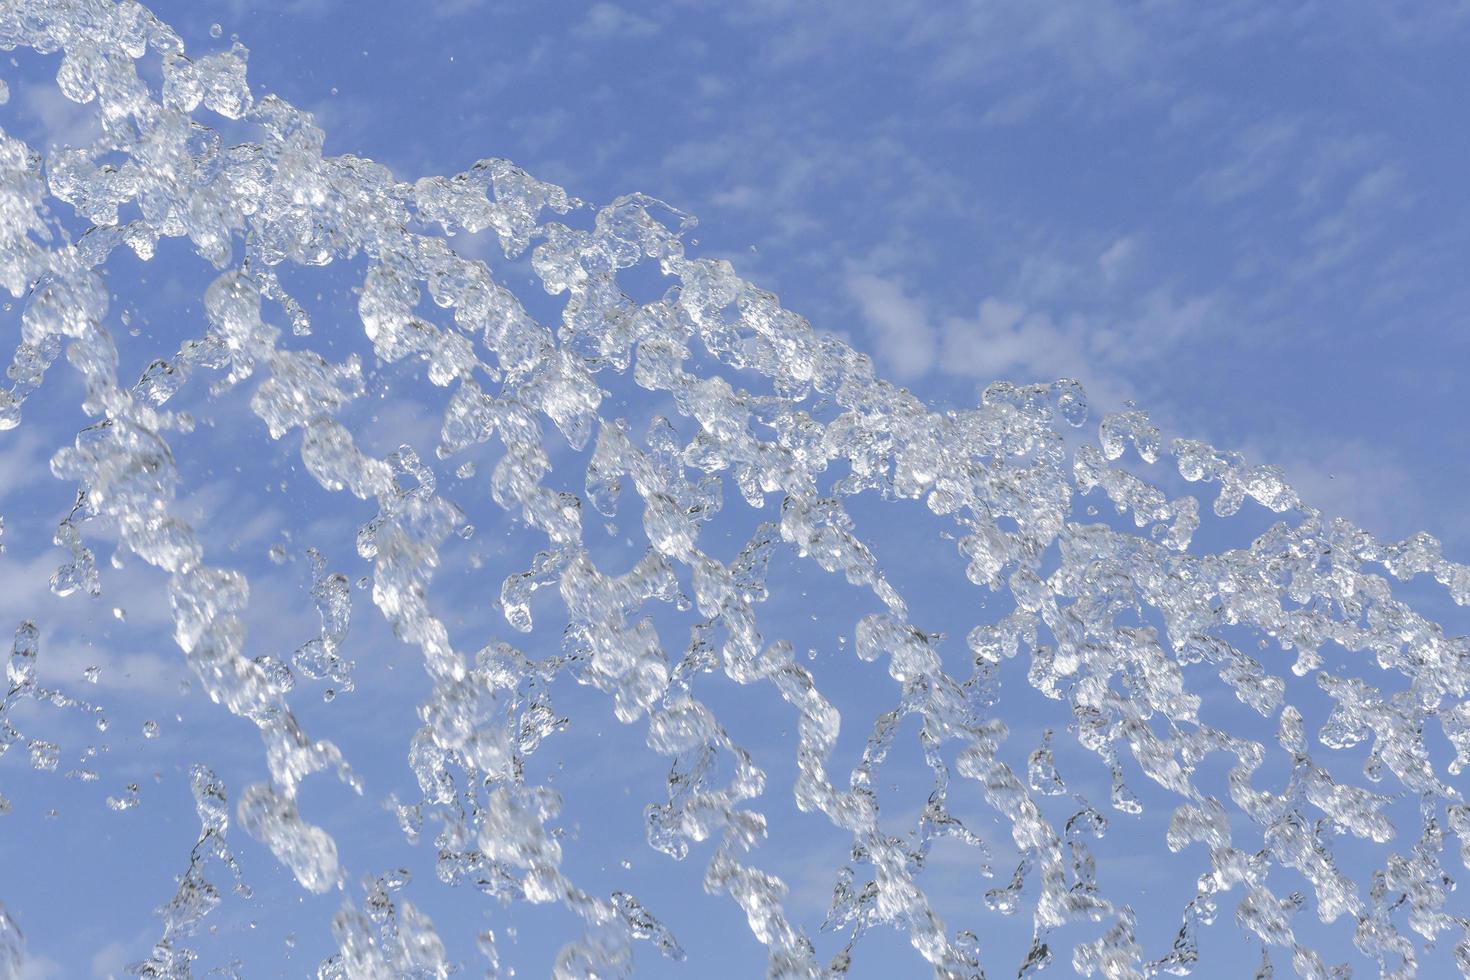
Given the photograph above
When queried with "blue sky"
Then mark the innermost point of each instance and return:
(1247, 218)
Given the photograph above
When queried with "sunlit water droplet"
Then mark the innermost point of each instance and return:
(780, 455)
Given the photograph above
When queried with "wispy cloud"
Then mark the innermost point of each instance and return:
(608, 21)
(897, 323)
(1258, 155)
(39, 968)
(1115, 259)
(1055, 319)
(453, 8)
(56, 120)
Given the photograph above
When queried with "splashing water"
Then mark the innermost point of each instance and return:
(1124, 637)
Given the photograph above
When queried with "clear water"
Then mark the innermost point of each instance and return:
(665, 450)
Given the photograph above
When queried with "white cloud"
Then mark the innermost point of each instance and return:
(608, 21)
(898, 324)
(1416, 21)
(1342, 232)
(451, 8)
(242, 11)
(1056, 319)
(1365, 482)
(712, 86)
(1001, 339)
(39, 968)
(62, 122)
(24, 462)
(1259, 154)
(110, 961)
(1116, 257)
(1005, 340)
(1089, 39)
